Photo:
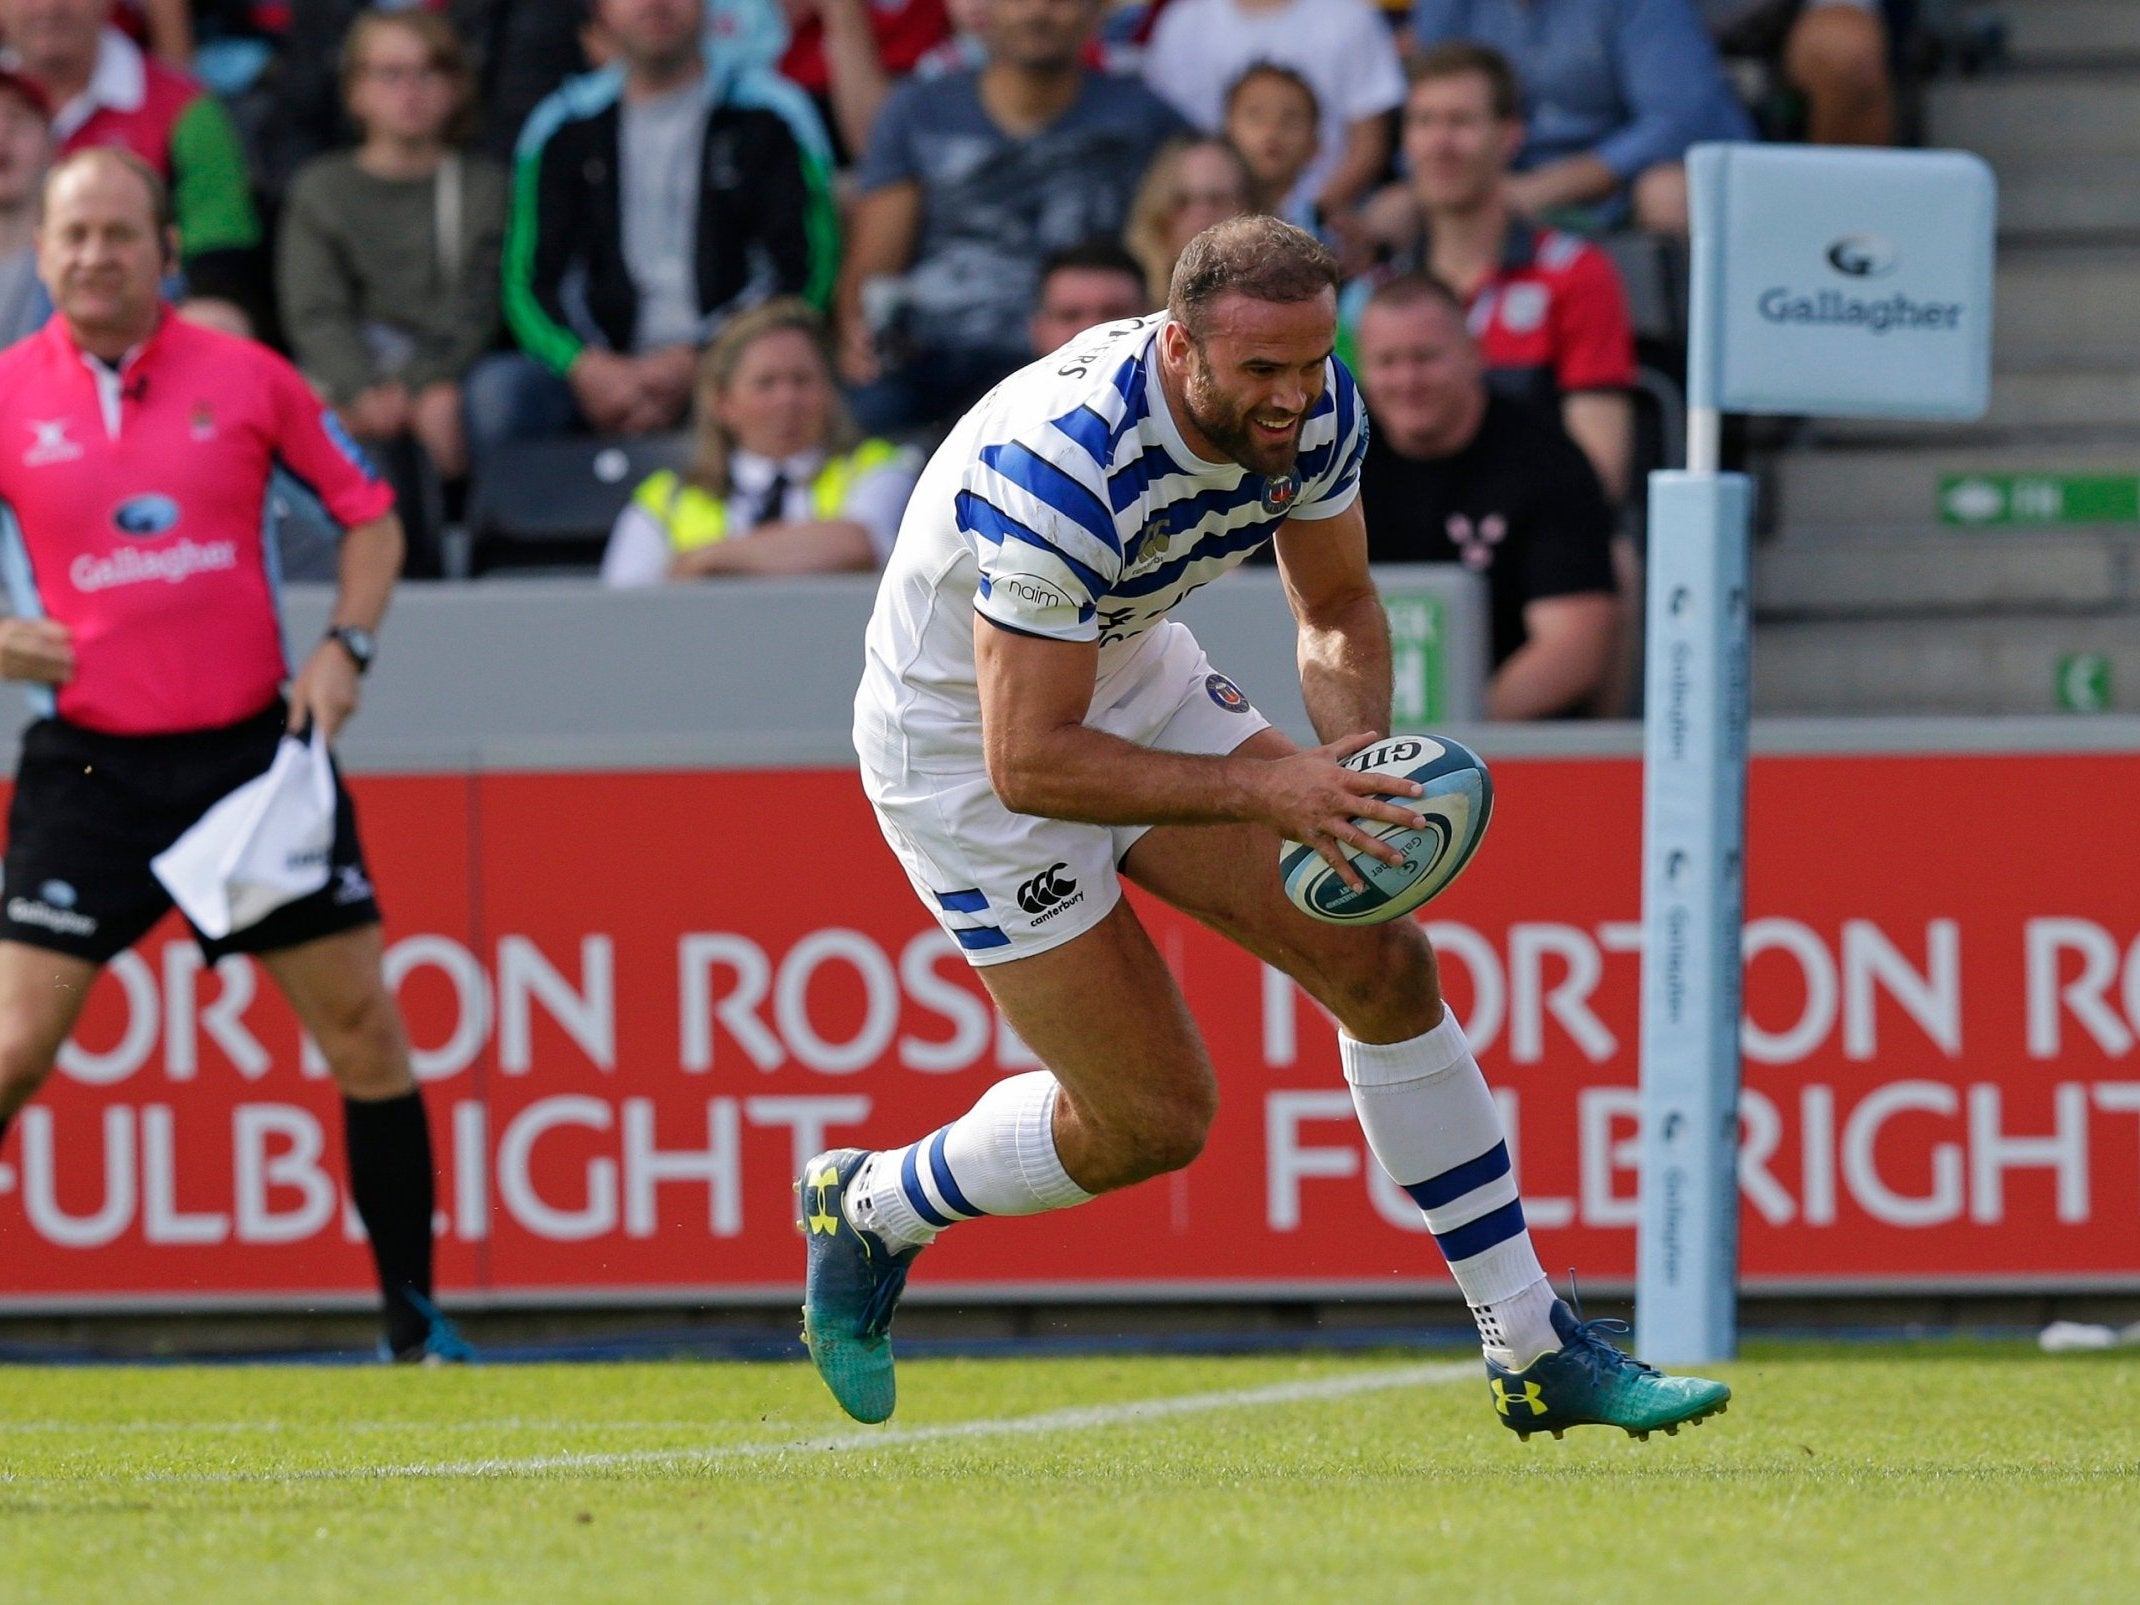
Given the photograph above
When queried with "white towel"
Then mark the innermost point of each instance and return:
(264, 845)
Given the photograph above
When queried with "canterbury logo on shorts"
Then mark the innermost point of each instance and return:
(1047, 891)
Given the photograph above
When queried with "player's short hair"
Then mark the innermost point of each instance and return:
(1284, 75)
(1415, 289)
(1100, 254)
(1463, 58)
(1255, 254)
(159, 192)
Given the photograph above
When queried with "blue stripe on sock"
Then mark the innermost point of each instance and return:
(940, 1168)
(1476, 1237)
(982, 936)
(966, 902)
(1468, 1177)
(910, 1179)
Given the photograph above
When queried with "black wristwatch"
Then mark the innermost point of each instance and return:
(361, 645)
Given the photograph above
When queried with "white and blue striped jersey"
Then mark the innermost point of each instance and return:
(1067, 505)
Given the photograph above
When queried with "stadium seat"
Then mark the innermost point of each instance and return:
(1653, 267)
(548, 504)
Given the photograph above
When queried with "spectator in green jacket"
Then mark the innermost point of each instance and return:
(651, 202)
(106, 91)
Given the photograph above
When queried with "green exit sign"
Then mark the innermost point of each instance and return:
(1419, 646)
(1984, 501)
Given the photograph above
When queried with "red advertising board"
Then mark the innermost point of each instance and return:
(639, 999)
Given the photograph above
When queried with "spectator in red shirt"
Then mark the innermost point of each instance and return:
(1547, 308)
(846, 54)
(106, 91)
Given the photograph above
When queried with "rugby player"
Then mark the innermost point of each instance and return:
(135, 455)
(1032, 727)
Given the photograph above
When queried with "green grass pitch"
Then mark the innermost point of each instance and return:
(1954, 1472)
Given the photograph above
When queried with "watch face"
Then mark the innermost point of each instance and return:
(359, 643)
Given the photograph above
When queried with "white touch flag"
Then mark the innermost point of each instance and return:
(264, 845)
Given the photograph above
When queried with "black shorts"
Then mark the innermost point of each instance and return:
(92, 809)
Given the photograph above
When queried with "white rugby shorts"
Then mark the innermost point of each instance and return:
(1007, 886)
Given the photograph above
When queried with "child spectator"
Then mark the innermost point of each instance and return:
(1191, 184)
(387, 263)
(782, 481)
(1341, 48)
(1271, 117)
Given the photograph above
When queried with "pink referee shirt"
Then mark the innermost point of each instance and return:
(135, 504)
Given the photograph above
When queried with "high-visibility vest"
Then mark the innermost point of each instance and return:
(691, 518)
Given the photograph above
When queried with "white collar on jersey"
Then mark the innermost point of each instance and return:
(120, 80)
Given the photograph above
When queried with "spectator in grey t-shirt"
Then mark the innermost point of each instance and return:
(970, 182)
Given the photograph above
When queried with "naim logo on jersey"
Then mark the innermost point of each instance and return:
(1031, 591)
(145, 517)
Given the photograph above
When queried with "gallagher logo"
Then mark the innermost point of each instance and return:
(1863, 256)
(1225, 693)
(145, 517)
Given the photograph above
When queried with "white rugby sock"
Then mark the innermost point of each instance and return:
(1434, 1127)
(998, 1158)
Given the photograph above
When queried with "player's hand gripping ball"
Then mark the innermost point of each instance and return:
(1457, 802)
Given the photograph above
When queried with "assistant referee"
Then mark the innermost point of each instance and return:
(135, 455)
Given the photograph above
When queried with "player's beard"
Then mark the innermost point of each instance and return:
(1224, 422)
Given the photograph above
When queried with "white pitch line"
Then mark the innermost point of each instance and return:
(1079, 1418)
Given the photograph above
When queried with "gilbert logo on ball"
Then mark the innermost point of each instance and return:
(1456, 804)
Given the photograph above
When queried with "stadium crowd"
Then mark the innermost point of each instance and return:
(799, 237)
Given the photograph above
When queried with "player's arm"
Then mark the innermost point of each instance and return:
(1344, 648)
(1044, 759)
(325, 690)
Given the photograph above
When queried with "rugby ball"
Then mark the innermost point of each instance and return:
(1457, 802)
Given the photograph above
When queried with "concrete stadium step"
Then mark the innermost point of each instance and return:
(2069, 31)
(2079, 199)
(1976, 667)
(2061, 402)
(2036, 115)
(2061, 485)
(1887, 574)
(2075, 304)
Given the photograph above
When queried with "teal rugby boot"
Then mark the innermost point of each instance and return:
(1587, 1382)
(852, 1286)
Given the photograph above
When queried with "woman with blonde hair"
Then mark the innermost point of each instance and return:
(1192, 183)
(781, 481)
